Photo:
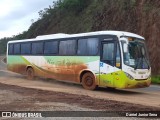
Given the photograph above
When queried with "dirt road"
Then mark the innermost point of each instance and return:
(19, 94)
(20, 98)
(146, 96)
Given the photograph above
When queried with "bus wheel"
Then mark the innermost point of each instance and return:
(88, 81)
(30, 74)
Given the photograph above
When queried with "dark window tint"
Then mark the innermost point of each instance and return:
(67, 47)
(82, 47)
(88, 46)
(108, 53)
(51, 47)
(25, 48)
(17, 48)
(37, 48)
(92, 46)
(10, 49)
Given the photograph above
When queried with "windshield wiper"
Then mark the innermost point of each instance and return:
(146, 61)
(137, 63)
(141, 61)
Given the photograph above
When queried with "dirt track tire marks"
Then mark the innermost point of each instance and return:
(34, 96)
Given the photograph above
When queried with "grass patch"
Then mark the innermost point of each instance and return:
(156, 79)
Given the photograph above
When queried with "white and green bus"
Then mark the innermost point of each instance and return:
(113, 59)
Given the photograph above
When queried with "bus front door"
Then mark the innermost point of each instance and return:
(107, 63)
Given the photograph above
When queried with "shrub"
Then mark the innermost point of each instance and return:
(74, 5)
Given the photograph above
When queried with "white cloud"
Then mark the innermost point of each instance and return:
(7, 6)
(16, 15)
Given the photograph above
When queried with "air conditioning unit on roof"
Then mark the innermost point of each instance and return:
(52, 36)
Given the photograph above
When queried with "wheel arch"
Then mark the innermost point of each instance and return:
(29, 66)
(83, 72)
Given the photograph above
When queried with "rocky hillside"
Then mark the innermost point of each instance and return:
(75, 16)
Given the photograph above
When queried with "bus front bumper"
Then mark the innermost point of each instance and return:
(138, 83)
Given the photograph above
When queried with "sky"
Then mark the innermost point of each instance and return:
(16, 15)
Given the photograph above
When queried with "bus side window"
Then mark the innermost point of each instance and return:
(88, 46)
(10, 49)
(82, 47)
(67, 47)
(25, 48)
(51, 47)
(92, 46)
(37, 48)
(16, 48)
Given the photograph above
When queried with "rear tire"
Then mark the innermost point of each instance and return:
(30, 74)
(88, 81)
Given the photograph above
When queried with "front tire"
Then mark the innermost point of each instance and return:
(30, 74)
(88, 81)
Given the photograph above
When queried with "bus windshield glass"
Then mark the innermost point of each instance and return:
(136, 55)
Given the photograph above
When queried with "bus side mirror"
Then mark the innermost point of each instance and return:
(125, 48)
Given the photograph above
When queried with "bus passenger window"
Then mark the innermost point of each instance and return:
(37, 48)
(25, 48)
(88, 46)
(51, 47)
(67, 47)
(82, 47)
(92, 46)
(10, 49)
(17, 48)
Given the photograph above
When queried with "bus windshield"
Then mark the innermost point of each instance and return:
(136, 56)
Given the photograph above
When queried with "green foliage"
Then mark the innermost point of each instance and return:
(3, 45)
(156, 79)
(74, 5)
(46, 12)
(4, 41)
(147, 7)
(127, 4)
(76, 16)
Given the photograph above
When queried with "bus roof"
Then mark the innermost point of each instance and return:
(62, 35)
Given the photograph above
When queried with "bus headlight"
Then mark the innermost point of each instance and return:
(129, 76)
